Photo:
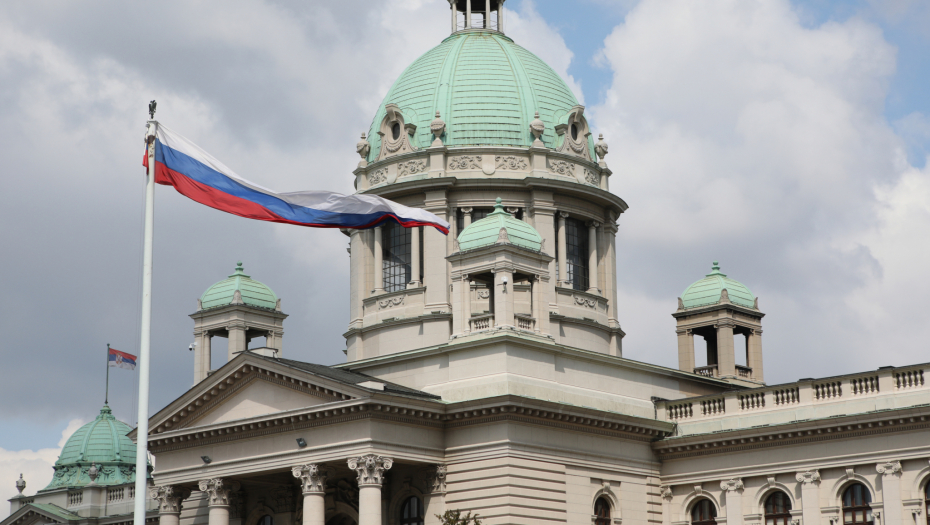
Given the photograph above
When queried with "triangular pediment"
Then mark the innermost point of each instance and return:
(250, 386)
(40, 514)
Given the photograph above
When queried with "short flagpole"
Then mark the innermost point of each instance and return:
(142, 430)
(106, 396)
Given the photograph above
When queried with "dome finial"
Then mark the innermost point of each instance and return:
(537, 127)
(20, 484)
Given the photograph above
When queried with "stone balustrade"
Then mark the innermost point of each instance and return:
(821, 395)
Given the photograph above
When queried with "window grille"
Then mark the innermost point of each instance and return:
(395, 244)
(576, 250)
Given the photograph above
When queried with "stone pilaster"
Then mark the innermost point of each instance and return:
(726, 354)
(219, 493)
(435, 494)
(734, 497)
(665, 492)
(313, 487)
(370, 469)
(593, 286)
(891, 492)
(810, 496)
(170, 499)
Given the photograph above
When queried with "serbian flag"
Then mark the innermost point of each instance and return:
(198, 176)
(122, 359)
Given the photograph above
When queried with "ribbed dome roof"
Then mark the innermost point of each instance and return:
(254, 293)
(486, 88)
(102, 442)
(486, 231)
(707, 291)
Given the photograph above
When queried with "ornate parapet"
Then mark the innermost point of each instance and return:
(370, 468)
(219, 490)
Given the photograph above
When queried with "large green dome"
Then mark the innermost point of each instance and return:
(253, 293)
(102, 442)
(707, 291)
(487, 90)
(486, 232)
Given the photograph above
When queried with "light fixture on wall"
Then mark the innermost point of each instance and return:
(301, 442)
(206, 460)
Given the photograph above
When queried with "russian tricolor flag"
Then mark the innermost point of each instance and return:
(199, 176)
(122, 359)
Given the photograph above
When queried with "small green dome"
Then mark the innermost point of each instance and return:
(253, 292)
(104, 443)
(487, 90)
(707, 291)
(486, 231)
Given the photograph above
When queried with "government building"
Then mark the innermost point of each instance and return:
(484, 369)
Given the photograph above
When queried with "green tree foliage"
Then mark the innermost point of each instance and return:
(455, 517)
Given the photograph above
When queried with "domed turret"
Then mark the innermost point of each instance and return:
(104, 443)
(486, 231)
(251, 292)
(709, 290)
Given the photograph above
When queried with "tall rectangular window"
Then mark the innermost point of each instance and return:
(576, 250)
(395, 245)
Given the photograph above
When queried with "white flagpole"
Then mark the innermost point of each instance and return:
(142, 430)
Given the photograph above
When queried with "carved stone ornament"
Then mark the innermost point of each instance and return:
(437, 127)
(575, 134)
(584, 301)
(370, 468)
(681, 304)
(724, 296)
(562, 167)
(502, 237)
(592, 178)
(411, 167)
(363, 148)
(277, 305)
(537, 127)
(809, 476)
(436, 479)
(20, 484)
(312, 477)
(755, 303)
(484, 294)
(392, 301)
(666, 492)
(510, 162)
(92, 473)
(465, 162)
(199, 305)
(732, 484)
(169, 498)
(888, 468)
(237, 298)
(218, 490)
(395, 133)
(455, 246)
(600, 148)
(378, 176)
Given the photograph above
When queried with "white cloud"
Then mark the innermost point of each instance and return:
(737, 133)
(34, 465)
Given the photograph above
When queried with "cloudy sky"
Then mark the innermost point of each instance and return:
(789, 140)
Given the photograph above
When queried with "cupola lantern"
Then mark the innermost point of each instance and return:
(477, 14)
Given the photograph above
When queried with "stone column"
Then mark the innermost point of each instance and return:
(378, 267)
(370, 470)
(503, 297)
(467, 26)
(313, 487)
(435, 494)
(202, 357)
(536, 298)
(357, 279)
(218, 491)
(487, 14)
(237, 340)
(414, 258)
(734, 499)
(685, 349)
(726, 356)
(562, 251)
(465, 290)
(810, 496)
(435, 266)
(455, 21)
(754, 353)
(169, 498)
(666, 492)
(592, 258)
(500, 17)
(466, 216)
(610, 269)
(891, 492)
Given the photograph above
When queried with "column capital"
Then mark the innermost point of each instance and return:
(312, 477)
(370, 468)
(436, 479)
(593, 224)
(732, 484)
(665, 491)
(169, 498)
(888, 468)
(808, 477)
(563, 214)
(466, 209)
(218, 490)
(724, 323)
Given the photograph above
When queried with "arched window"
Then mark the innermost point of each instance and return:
(266, 520)
(395, 246)
(412, 512)
(856, 507)
(576, 248)
(778, 509)
(703, 513)
(601, 512)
